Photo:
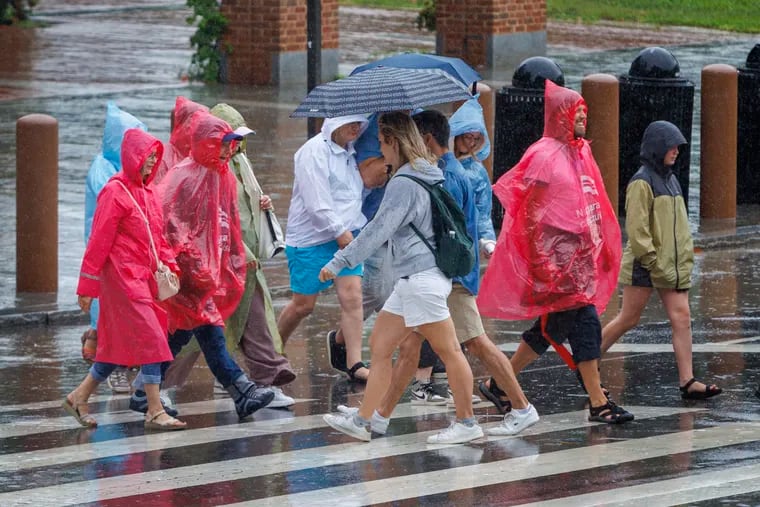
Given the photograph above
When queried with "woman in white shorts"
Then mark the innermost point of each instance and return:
(421, 289)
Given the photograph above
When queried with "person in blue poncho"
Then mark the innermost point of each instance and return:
(471, 146)
(105, 164)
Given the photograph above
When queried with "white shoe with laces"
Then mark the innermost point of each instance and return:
(280, 400)
(513, 422)
(118, 381)
(457, 433)
(378, 423)
(345, 424)
(427, 393)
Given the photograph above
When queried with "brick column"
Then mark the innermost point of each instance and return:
(492, 35)
(267, 41)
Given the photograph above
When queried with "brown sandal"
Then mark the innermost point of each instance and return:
(170, 424)
(85, 420)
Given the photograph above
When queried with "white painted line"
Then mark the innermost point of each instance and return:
(716, 483)
(150, 482)
(516, 469)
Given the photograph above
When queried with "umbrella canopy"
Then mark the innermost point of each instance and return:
(456, 67)
(381, 89)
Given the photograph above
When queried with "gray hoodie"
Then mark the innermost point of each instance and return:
(405, 202)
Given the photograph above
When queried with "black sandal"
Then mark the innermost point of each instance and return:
(709, 392)
(583, 386)
(351, 372)
(608, 413)
(495, 395)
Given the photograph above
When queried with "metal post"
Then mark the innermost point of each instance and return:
(717, 183)
(313, 52)
(36, 204)
(601, 93)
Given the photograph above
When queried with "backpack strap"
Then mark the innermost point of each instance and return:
(424, 184)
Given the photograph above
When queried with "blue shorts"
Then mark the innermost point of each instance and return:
(305, 263)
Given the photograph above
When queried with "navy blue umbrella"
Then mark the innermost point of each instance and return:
(382, 89)
(456, 67)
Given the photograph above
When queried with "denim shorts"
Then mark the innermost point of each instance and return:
(420, 298)
(580, 327)
(305, 263)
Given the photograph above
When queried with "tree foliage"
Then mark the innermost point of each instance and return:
(12, 11)
(426, 16)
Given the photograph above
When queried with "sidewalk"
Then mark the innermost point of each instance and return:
(56, 74)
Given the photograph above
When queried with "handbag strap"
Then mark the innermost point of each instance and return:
(145, 218)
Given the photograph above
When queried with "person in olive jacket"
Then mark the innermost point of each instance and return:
(660, 252)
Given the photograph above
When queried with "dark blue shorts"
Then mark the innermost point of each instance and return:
(580, 327)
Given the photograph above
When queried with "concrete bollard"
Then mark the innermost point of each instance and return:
(36, 204)
(718, 149)
(601, 93)
(486, 101)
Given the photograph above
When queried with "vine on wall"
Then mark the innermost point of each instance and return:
(12, 11)
(206, 63)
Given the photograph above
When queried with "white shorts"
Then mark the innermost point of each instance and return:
(420, 298)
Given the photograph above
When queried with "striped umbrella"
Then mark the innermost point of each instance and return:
(382, 89)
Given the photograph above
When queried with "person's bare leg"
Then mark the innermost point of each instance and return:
(79, 396)
(499, 367)
(634, 301)
(349, 290)
(677, 307)
(590, 373)
(403, 371)
(387, 334)
(523, 356)
(152, 392)
(299, 307)
(443, 339)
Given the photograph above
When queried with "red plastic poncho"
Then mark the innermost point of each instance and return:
(200, 206)
(560, 243)
(118, 264)
(178, 146)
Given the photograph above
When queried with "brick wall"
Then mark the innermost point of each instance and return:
(259, 30)
(464, 28)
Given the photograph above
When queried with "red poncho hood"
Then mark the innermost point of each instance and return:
(136, 147)
(560, 245)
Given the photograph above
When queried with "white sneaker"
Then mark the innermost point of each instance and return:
(457, 433)
(427, 393)
(450, 399)
(118, 381)
(280, 400)
(514, 423)
(219, 390)
(345, 424)
(378, 423)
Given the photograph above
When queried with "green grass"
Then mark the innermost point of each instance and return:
(733, 15)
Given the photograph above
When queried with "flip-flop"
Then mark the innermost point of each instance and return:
(85, 420)
(170, 424)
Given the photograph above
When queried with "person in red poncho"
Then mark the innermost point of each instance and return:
(558, 253)
(178, 146)
(200, 205)
(117, 268)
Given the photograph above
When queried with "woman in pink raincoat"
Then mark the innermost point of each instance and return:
(118, 269)
(178, 146)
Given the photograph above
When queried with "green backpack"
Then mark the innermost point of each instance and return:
(454, 254)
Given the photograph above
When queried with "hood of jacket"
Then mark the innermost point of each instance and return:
(206, 136)
(182, 115)
(231, 115)
(422, 169)
(560, 105)
(117, 123)
(469, 118)
(136, 147)
(658, 138)
(330, 125)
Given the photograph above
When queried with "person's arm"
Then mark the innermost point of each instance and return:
(374, 172)
(105, 223)
(395, 213)
(484, 203)
(313, 172)
(638, 207)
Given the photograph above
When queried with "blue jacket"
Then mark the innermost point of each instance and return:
(469, 118)
(458, 185)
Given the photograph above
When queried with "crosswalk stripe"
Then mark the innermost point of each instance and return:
(180, 477)
(516, 469)
(691, 488)
(659, 348)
